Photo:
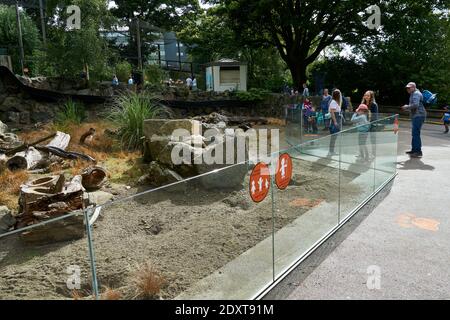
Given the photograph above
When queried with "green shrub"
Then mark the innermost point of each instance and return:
(154, 74)
(253, 94)
(129, 112)
(73, 112)
(123, 71)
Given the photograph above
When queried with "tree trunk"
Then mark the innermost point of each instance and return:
(298, 72)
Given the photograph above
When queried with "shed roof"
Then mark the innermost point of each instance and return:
(225, 62)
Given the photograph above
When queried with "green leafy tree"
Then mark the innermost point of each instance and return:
(9, 36)
(413, 45)
(155, 16)
(210, 37)
(300, 30)
(69, 52)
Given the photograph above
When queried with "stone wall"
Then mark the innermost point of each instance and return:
(273, 107)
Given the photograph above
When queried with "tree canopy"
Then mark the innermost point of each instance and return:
(300, 30)
(9, 34)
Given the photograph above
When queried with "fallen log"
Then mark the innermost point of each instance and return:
(25, 146)
(25, 160)
(65, 154)
(93, 178)
(61, 141)
(33, 157)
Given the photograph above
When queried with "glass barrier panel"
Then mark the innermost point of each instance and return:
(46, 261)
(356, 168)
(307, 209)
(203, 238)
(386, 152)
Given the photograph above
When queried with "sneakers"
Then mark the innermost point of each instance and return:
(409, 152)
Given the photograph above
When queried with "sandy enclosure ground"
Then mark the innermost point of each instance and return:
(185, 234)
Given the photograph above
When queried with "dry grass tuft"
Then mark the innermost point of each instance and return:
(110, 294)
(148, 281)
(120, 164)
(10, 187)
(77, 295)
(276, 121)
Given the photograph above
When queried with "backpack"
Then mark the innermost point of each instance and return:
(428, 97)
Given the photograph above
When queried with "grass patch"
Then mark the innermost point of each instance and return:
(10, 183)
(73, 113)
(128, 114)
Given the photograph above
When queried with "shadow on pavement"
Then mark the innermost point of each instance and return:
(288, 285)
(414, 164)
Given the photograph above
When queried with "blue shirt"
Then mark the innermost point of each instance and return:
(447, 116)
(416, 107)
(325, 103)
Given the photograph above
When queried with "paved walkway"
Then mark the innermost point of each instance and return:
(399, 250)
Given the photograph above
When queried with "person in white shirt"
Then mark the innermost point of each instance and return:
(194, 83)
(305, 90)
(336, 119)
(189, 82)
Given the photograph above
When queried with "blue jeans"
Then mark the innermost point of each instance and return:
(416, 143)
(334, 129)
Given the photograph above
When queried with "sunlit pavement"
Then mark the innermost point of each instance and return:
(398, 250)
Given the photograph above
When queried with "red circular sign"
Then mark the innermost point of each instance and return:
(284, 171)
(259, 185)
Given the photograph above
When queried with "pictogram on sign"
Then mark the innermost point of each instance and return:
(284, 171)
(259, 182)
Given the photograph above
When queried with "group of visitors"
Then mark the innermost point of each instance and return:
(333, 109)
(191, 83)
(367, 113)
(115, 80)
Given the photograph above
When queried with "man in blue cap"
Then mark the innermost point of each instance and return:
(418, 115)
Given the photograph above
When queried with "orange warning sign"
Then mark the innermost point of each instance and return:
(284, 171)
(259, 182)
(396, 125)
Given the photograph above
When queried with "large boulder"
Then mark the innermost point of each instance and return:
(174, 158)
(216, 157)
(165, 127)
(7, 220)
(3, 128)
(99, 197)
(159, 176)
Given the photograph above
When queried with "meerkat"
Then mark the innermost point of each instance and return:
(88, 135)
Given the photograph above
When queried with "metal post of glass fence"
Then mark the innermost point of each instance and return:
(374, 131)
(273, 225)
(339, 174)
(91, 254)
(301, 124)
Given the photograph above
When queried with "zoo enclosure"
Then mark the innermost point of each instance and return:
(203, 234)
